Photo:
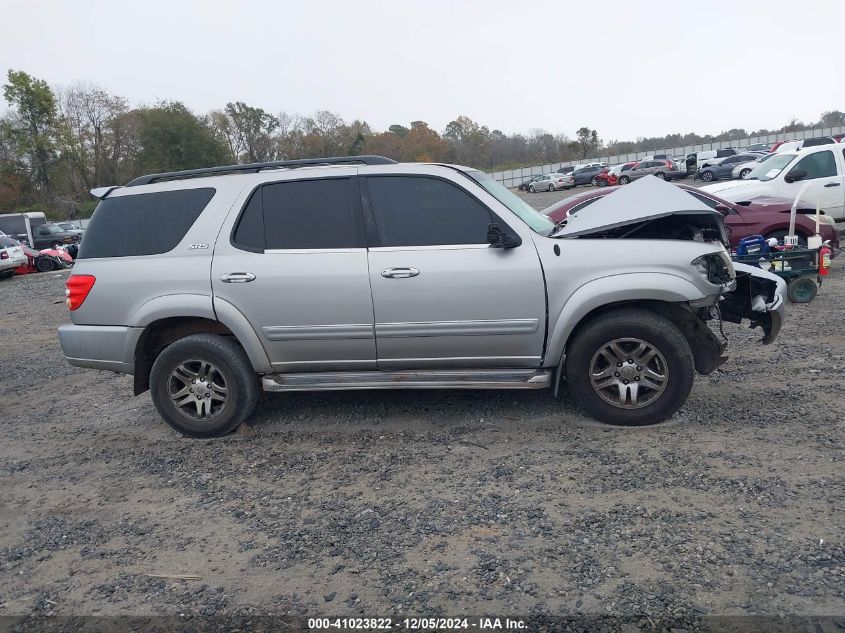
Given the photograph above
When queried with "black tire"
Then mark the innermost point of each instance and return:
(7, 274)
(779, 235)
(231, 363)
(551, 188)
(532, 189)
(744, 173)
(707, 176)
(44, 264)
(801, 290)
(660, 175)
(624, 180)
(602, 182)
(594, 181)
(654, 329)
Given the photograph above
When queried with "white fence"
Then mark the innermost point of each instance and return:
(513, 177)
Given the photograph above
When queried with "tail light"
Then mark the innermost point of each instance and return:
(77, 288)
(670, 164)
(4, 255)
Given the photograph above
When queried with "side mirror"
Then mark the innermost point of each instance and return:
(723, 209)
(497, 238)
(795, 175)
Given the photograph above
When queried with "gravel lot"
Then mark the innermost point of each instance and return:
(428, 502)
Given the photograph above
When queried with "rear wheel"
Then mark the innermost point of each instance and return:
(594, 182)
(801, 290)
(203, 385)
(661, 175)
(551, 187)
(629, 367)
(602, 182)
(624, 180)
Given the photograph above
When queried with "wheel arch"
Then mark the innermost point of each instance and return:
(662, 293)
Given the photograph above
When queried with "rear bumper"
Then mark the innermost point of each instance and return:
(100, 346)
(7, 264)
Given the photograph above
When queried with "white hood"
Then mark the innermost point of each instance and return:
(739, 190)
(648, 198)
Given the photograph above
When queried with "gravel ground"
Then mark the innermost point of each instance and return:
(427, 502)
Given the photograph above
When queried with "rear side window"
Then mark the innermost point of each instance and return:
(302, 214)
(5, 242)
(143, 224)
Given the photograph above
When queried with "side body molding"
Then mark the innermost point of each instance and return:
(612, 289)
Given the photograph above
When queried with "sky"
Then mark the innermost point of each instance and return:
(627, 69)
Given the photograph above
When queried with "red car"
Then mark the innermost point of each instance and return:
(610, 177)
(763, 216)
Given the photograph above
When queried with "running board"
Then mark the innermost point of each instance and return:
(421, 379)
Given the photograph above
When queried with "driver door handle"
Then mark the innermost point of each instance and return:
(237, 278)
(399, 273)
(832, 184)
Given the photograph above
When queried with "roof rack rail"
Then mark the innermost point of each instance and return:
(257, 167)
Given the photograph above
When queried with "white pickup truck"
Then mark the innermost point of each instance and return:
(783, 175)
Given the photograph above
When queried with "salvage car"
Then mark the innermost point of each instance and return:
(784, 175)
(11, 256)
(363, 273)
(664, 169)
(723, 167)
(768, 217)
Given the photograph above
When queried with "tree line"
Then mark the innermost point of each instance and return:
(56, 143)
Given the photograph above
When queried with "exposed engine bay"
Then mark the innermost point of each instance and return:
(756, 292)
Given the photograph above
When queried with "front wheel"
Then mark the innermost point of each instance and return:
(707, 176)
(629, 367)
(744, 173)
(203, 385)
(532, 189)
(594, 182)
(602, 182)
(661, 175)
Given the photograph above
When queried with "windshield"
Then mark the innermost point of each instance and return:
(771, 168)
(538, 222)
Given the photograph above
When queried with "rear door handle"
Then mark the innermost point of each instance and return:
(237, 278)
(399, 273)
(832, 184)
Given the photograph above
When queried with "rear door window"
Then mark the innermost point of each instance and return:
(422, 211)
(302, 214)
(142, 224)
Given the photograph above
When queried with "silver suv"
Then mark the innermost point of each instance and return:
(360, 273)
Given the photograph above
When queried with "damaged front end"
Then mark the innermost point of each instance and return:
(759, 297)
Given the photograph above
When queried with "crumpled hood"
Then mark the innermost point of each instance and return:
(648, 198)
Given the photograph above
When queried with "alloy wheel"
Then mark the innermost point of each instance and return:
(198, 389)
(628, 373)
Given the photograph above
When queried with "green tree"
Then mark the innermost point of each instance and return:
(832, 118)
(587, 141)
(253, 132)
(32, 129)
(171, 138)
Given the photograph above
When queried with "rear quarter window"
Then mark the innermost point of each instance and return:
(143, 224)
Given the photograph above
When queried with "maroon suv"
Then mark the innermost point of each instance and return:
(762, 216)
